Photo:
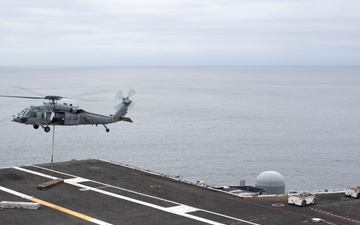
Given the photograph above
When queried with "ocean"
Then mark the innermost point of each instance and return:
(219, 125)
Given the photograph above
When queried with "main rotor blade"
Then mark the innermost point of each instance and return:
(80, 97)
(48, 97)
(28, 90)
(15, 96)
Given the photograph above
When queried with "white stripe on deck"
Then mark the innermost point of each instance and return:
(36, 173)
(21, 195)
(181, 209)
(166, 209)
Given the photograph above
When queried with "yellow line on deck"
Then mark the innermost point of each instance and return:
(331, 214)
(62, 209)
(53, 206)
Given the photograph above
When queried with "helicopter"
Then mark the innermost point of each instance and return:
(54, 113)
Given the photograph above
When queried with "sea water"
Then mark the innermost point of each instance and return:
(215, 124)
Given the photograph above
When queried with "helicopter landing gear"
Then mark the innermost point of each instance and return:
(36, 126)
(107, 129)
(47, 129)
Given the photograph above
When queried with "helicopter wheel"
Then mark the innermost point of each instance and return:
(36, 126)
(107, 129)
(47, 129)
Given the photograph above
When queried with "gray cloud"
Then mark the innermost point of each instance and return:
(212, 32)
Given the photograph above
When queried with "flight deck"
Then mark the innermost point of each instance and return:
(96, 191)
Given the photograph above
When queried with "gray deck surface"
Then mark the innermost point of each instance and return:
(100, 192)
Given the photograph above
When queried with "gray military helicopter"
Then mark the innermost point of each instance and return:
(54, 113)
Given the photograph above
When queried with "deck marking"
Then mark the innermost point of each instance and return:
(166, 209)
(77, 179)
(53, 206)
(59, 208)
(36, 173)
(100, 183)
(230, 217)
(331, 214)
(181, 210)
(15, 192)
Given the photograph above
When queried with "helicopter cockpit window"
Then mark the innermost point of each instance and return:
(27, 113)
(23, 112)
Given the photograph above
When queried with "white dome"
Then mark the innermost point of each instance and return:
(270, 178)
(272, 181)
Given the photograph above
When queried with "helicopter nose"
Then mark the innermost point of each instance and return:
(19, 120)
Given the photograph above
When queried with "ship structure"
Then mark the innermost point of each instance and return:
(95, 191)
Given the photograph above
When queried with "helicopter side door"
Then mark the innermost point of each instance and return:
(40, 117)
(49, 116)
(71, 119)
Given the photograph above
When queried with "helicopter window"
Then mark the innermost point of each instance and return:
(24, 111)
(28, 112)
(33, 114)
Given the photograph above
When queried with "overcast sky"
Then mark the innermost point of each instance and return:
(179, 32)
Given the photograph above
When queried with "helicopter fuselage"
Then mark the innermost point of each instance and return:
(52, 113)
(67, 115)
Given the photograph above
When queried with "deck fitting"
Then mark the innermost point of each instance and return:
(50, 184)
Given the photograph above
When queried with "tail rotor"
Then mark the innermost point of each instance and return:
(125, 100)
(131, 93)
